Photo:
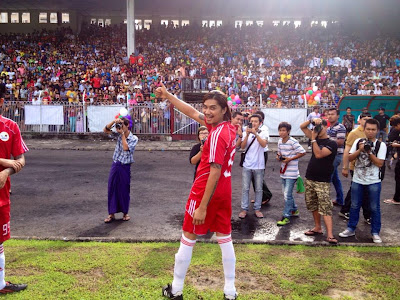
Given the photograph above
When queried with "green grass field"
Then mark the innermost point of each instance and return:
(73, 270)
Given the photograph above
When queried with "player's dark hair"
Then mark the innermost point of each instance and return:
(222, 101)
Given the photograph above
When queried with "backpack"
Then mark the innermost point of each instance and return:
(382, 169)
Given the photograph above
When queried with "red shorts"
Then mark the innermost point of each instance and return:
(218, 218)
(4, 223)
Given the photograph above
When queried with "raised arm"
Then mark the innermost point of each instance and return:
(182, 106)
(304, 128)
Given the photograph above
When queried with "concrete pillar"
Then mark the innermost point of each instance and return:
(130, 13)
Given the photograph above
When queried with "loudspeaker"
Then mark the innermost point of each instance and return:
(59, 18)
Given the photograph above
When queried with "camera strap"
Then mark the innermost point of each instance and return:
(254, 138)
(283, 170)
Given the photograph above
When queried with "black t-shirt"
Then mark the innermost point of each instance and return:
(321, 169)
(193, 152)
(394, 135)
(382, 119)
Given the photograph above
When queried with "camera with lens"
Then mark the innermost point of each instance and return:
(203, 141)
(250, 125)
(368, 145)
(118, 125)
(317, 128)
(281, 158)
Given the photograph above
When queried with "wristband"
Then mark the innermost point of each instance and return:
(107, 128)
(313, 141)
(344, 168)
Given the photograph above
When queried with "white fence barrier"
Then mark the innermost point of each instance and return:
(294, 116)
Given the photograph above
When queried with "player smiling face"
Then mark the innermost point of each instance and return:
(213, 112)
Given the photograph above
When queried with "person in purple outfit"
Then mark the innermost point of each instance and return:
(120, 173)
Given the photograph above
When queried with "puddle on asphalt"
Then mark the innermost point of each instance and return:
(298, 235)
(254, 229)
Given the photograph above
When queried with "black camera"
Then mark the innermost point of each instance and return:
(203, 141)
(317, 128)
(281, 158)
(118, 125)
(368, 145)
(250, 125)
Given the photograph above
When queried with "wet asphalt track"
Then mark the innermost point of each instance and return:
(63, 194)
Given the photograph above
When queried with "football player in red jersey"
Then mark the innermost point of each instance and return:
(209, 207)
(11, 144)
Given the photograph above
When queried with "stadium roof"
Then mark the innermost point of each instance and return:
(232, 8)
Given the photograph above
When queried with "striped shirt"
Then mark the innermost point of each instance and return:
(337, 132)
(125, 157)
(290, 149)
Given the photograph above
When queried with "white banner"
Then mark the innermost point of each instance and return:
(100, 116)
(44, 114)
(294, 116)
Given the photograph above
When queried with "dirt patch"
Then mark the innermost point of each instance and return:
(90, 279)
(207, 279)
(24, 271)
(354, 294)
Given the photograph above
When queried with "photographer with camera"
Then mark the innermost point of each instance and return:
(197, 150)
(319, 176)
(353, 135)
(394, 140)
(289, 152)
(254, 140)
(369, 154)
(119, 179)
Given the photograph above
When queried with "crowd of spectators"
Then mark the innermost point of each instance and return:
(278, 63)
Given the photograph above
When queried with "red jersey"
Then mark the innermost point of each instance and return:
(96, 82)
(140, 60)
(220, 148)
(11, 144)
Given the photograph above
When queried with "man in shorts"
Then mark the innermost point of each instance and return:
(209, 207)
(318, 177)
(11, 144)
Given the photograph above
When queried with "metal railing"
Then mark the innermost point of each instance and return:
(156, 118)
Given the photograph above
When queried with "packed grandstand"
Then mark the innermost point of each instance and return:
(277, 67)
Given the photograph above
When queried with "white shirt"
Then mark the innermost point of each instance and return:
(265, 129)
(366, 172)
(255, 156)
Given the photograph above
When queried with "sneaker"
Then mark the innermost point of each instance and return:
(167, 292)
(344, 215)
(283, 222)
(229, 297)
(12, 288)
(368, 221)
(295, 213)
(347, 233)
(309, 147)
(376, 239)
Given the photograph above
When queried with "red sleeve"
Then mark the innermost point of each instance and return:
(218, 145)
(18, 145)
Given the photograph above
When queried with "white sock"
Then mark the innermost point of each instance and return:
(229, 262)
(2, 266)
(182, 262)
